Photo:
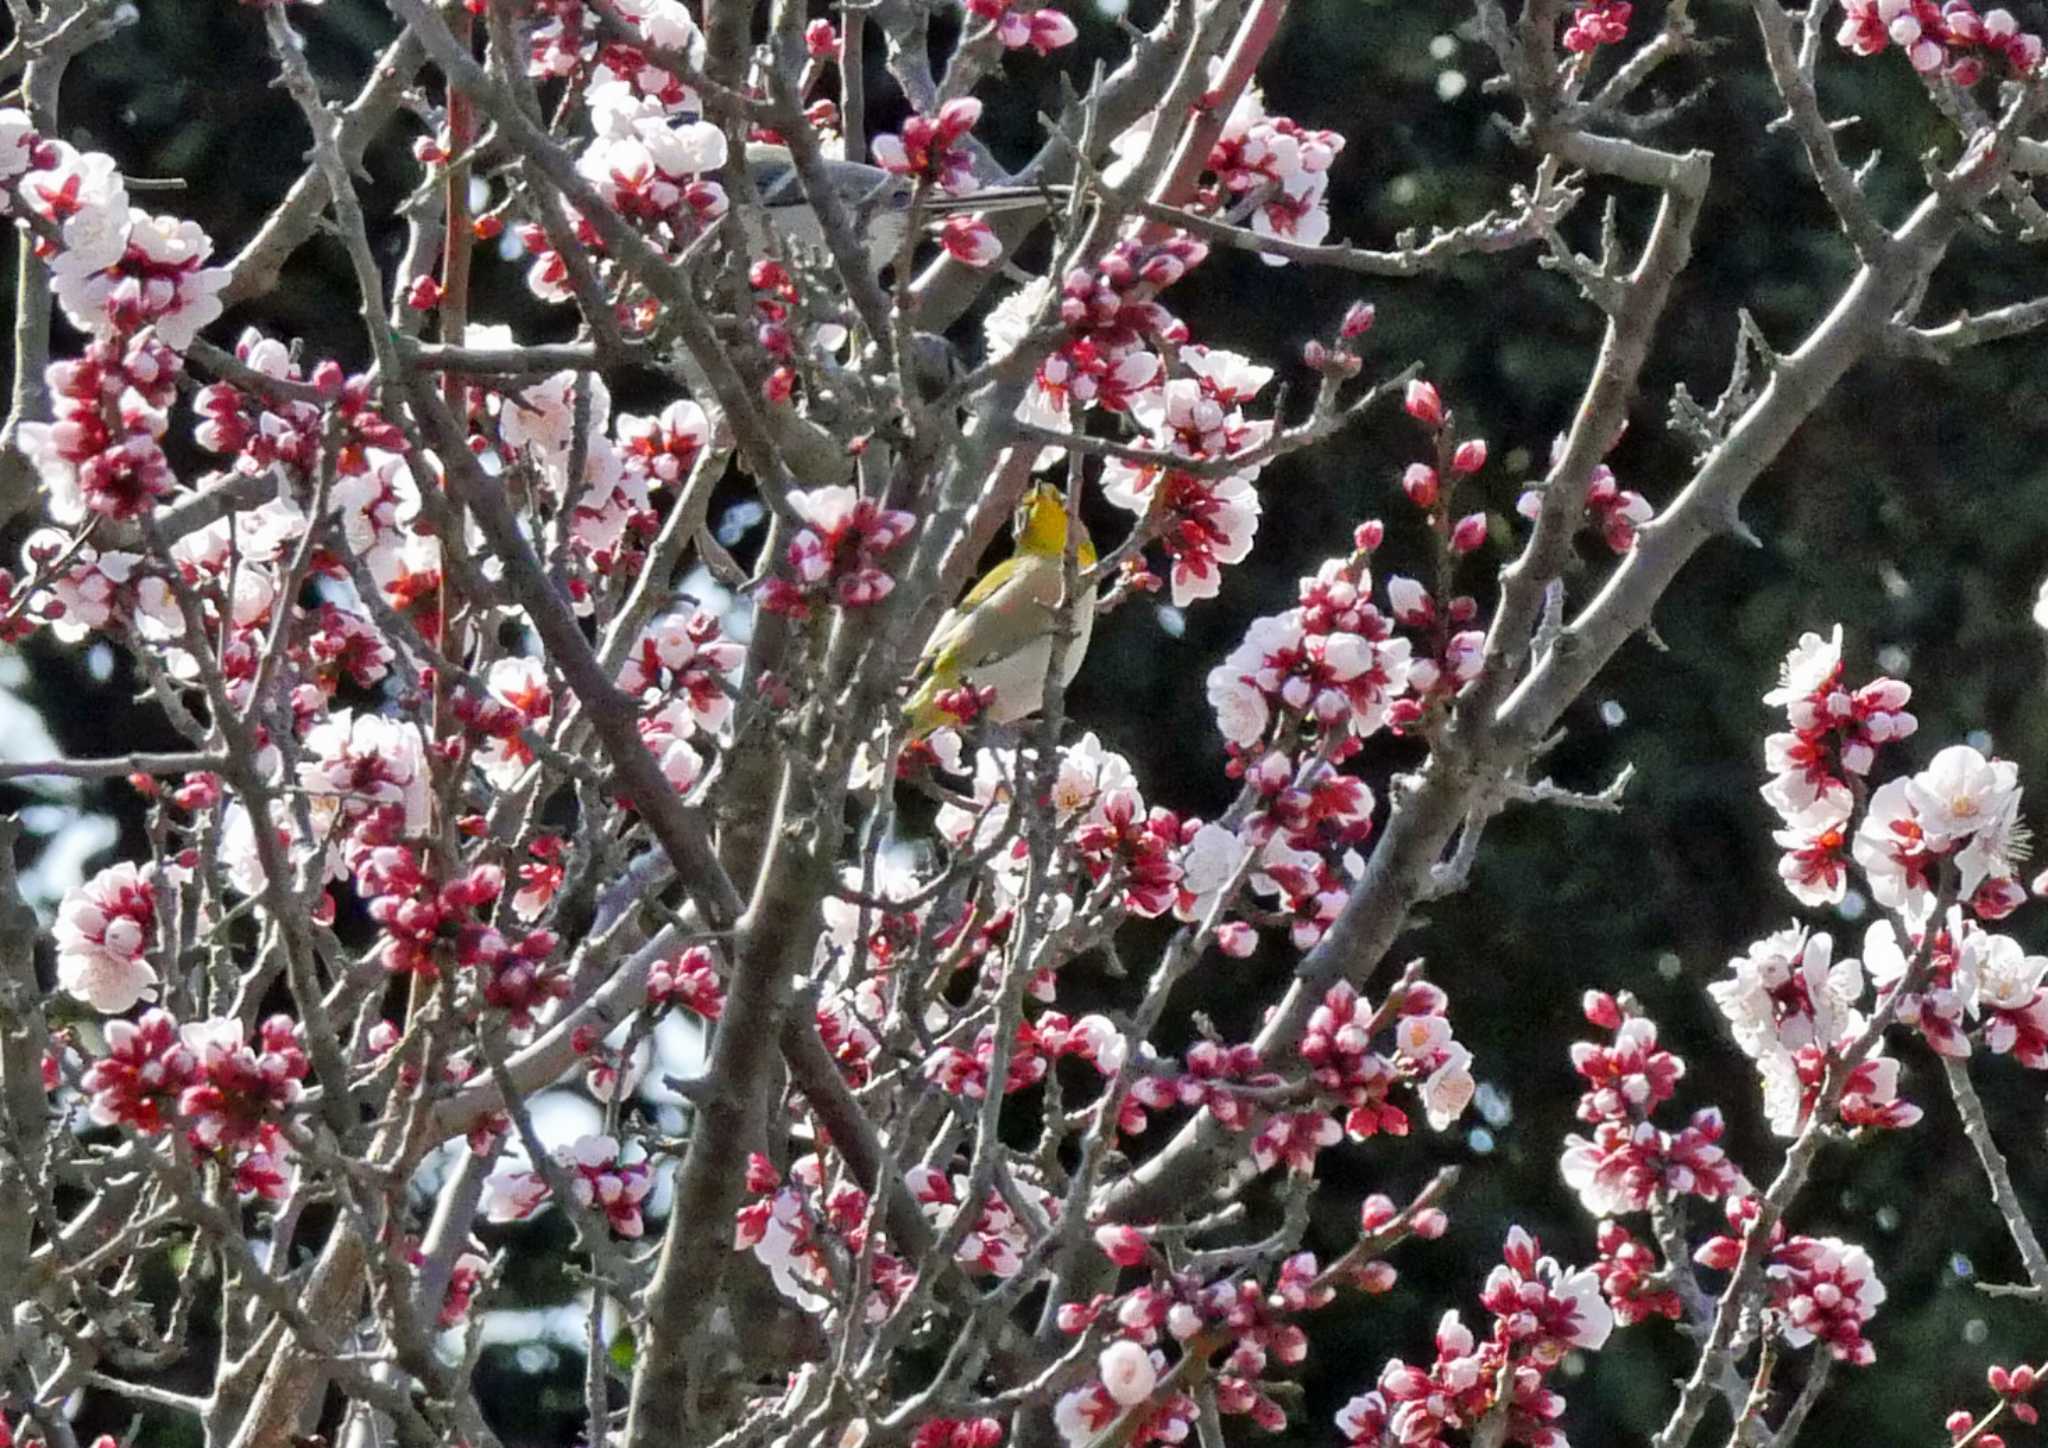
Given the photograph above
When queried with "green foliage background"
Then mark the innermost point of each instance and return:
(1912, 508)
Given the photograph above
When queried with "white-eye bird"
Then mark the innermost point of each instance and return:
(876, 201)
(1001, 635)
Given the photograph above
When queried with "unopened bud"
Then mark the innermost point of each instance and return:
(1423, 404)
(1469, 533)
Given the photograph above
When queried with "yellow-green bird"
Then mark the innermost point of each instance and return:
(1000, 636)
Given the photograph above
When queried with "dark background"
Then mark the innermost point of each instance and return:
(1910, 507)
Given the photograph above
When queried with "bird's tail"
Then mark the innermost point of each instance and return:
(922, 710)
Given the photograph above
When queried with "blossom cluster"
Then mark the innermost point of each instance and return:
(1541, 1314)
(1630, 1163)
(232, 1096)
(602, 1176)
(1953, 38)
(1016, 26)
(801, 1223)
(1821, 1289)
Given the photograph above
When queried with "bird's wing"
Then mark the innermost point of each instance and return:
(1014, 603)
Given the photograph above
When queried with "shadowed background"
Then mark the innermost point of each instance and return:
(1911, 508)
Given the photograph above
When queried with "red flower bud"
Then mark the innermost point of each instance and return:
(1468, 533)
(1358, 318)
(1423, 404)
(1470, 456)
(1421, 485)
(1404, 714)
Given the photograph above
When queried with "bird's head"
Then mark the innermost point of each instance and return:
(1041, 527)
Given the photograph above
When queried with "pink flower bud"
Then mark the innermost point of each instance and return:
(1125, 1246)
(1601, 1010)
(1358, 319)
(821, 39)
(1431, 1223)
(1376, 1276)
(1420, 484)
(1236, 939)
(969, 239)
(1314, 355)
(958, 116)
(1368, 536)
(1469, 533)
(1423, 404)
(1470, 456)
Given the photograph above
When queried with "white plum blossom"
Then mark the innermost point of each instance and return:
(667, 23)
(1595, 1318)
(1891, 849)
(85, 195)
(1961, 793)
(1813, 661)
(1788, 992)
(89, 594)
(2007, 977)
(1088, 777)
(103, 934)
(161, 282)
(783, 1230)
(661, 448)
(354, 763)
(519, 684)
(542, 421)
(599, 1177)
(1229, 377)
(1812, 868)
(1320, 673)
(513, 1195)
(895, 878)
(1208, 862)
(17, 134)
(1449, 1089)
(1128, 1372)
